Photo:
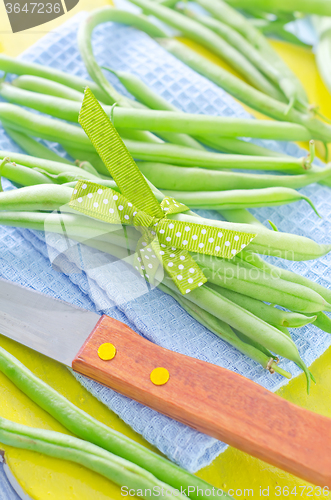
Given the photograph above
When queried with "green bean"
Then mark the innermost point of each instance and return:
(282, 245)
(58, 445)
(320, 7)
(258, 285)
(209, 39)
(34, 148)
(239, 198)
(173, 177)
(323, 322)
(268, 313)
(159, 121)
(99, 16)
(241, 216)
(20, 67)
(88, 428)
(91, 157)
(49, 87)
(182, 156)
(40, 197)
(245, 93)
(244, 321)
(70, 135)
(22, 175)
(152, 100)
(47, 167)
(225, 332)
(255, 260)
(290, 84)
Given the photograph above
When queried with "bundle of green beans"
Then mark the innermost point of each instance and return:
(251, 326)
(96, 446)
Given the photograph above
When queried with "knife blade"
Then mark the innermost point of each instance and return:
(209, 398)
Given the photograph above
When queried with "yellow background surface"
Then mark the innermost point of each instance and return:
(44, 478)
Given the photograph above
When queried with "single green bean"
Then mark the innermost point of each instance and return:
(239, 198)
(49, 87)
(47, 166)
(241, 216)
(22, 175)
(245, 93)
(40, 197)
(323, 322)
(254, 260)
(225, 332)
(209, 39)
(173, 177)
(99, 16)
(152, 100)
(88, 428)
(58, 445)
(320, 7)
(33, 147)
(20, 67)
(269, 314)
(160, 121)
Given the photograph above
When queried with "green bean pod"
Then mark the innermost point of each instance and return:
(20, 67)
(48, 87)
(160, 121)
(269, 314)
(176, 178)
(323, 322)
(40, 197)
(254, 260)
(62, 446)
(320, 7)
(88, 428)
(33, 147)
(239, 198)
(22, 175)
(248, 347)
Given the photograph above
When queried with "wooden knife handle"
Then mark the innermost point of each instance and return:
(212, 400)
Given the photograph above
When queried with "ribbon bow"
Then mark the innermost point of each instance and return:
(163, 240)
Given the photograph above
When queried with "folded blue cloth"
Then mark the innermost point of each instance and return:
(107, 287)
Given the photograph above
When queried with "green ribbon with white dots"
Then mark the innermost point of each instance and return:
(163, 240)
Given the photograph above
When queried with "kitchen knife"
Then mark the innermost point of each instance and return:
(209, 398)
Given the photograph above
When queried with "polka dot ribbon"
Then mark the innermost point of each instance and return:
(163, 240)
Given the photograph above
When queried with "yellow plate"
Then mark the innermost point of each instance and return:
(46, 478)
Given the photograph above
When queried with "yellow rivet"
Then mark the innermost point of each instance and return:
(159, 376)
(106, 352)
